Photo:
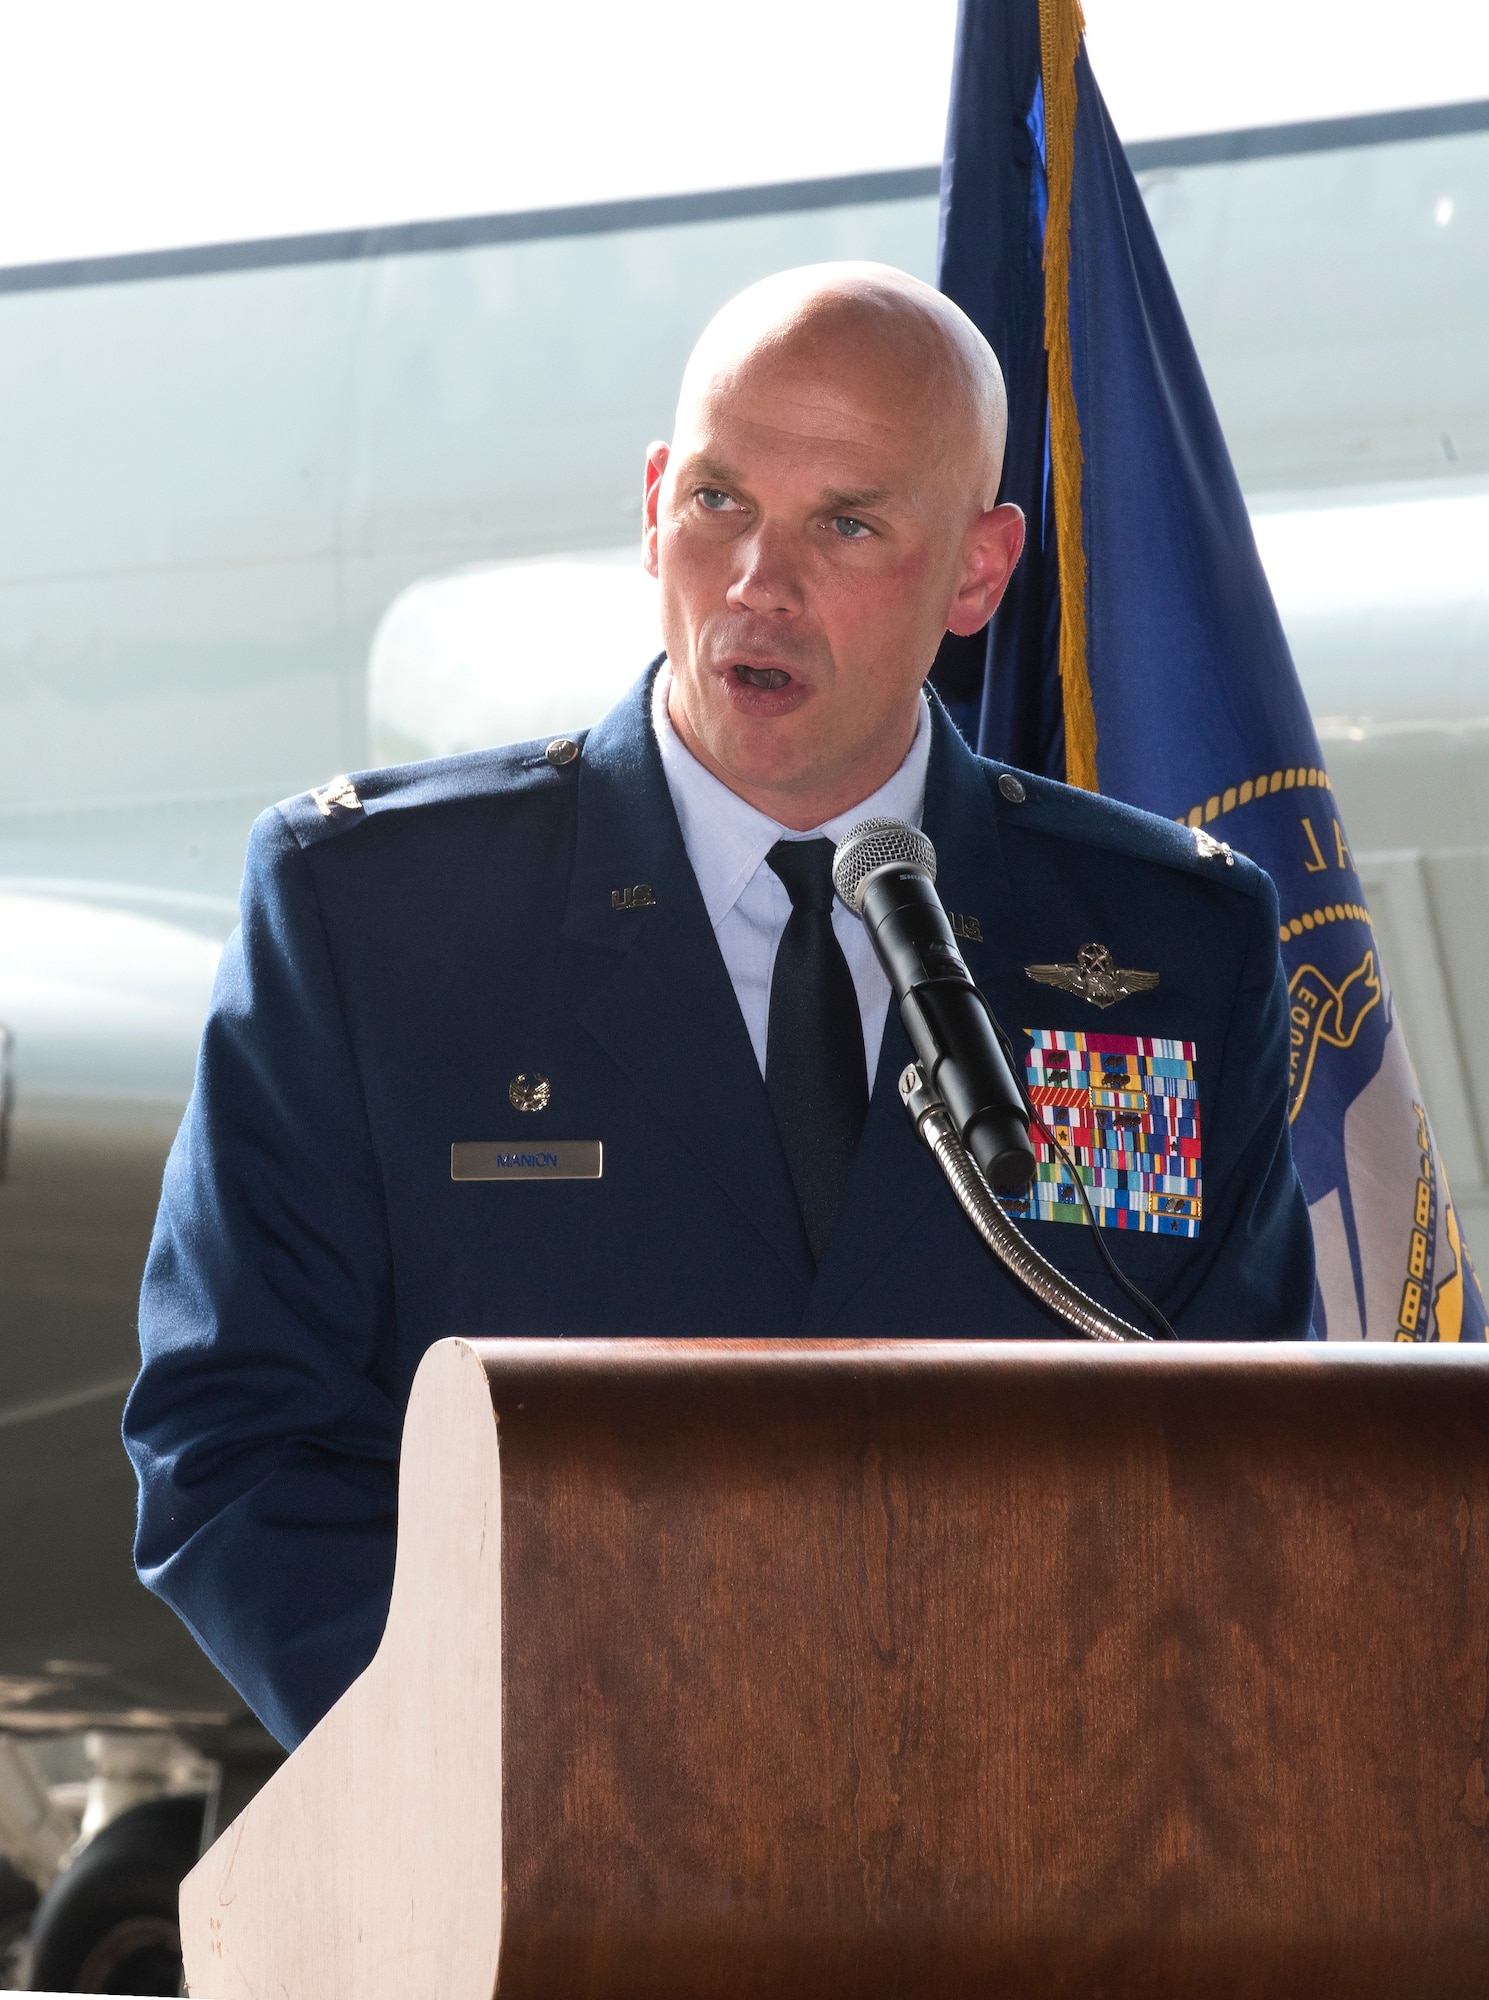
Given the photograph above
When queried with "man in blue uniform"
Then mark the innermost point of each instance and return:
(573, 1038)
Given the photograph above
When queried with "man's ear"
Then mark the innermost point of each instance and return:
(657, 456)
(992, 548)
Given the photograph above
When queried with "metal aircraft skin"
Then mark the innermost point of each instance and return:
(269, 524)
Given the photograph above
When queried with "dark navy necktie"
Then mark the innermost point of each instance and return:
(814, 1054)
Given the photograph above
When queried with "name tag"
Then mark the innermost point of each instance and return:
(550, 1160)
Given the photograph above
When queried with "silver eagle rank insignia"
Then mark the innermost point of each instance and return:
(339, 792)
(1208, 848)
(1095, 976)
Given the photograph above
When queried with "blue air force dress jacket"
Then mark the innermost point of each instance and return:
(404, 955)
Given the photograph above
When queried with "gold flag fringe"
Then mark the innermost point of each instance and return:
(1061, 25)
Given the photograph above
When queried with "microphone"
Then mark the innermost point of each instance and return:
(885, 871)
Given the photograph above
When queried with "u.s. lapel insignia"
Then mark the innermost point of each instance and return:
(339, 792)
(639, 897)
(1095, 976)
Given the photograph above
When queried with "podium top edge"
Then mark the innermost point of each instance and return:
(643, 1355)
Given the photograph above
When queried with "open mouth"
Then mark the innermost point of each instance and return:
(763, 677)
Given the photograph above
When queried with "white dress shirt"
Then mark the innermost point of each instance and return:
(727, 842)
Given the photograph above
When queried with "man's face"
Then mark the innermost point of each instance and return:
(812, 548)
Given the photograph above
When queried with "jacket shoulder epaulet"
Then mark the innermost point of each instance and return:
(1066, 813)
(354, 800)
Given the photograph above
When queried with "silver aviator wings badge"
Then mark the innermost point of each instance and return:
(1095, 976)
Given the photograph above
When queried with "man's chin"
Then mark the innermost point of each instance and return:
(761, 758)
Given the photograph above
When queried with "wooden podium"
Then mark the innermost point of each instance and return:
(923, 1669)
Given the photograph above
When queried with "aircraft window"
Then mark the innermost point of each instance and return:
(500, 652)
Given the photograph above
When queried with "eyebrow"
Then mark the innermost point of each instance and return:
(851, 503)
(833, 502)
(710, 468)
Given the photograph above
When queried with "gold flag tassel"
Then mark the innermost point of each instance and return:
(1061, 25)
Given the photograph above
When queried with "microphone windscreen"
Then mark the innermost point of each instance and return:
(874, 844)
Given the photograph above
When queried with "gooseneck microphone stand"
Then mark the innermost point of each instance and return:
(1038, 1277)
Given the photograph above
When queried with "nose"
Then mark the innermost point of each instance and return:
(767, 578)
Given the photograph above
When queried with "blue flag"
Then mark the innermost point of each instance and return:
(1140, 653)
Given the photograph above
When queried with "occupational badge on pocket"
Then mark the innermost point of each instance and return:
(1094, 975)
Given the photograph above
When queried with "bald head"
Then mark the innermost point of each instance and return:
(824, 514)
(871, 327)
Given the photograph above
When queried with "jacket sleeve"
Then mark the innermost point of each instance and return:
(1259, 1283)
(262, 1431)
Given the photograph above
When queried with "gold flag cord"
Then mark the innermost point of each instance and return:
(1061, 25)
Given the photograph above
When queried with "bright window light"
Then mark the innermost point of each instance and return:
(168, 121)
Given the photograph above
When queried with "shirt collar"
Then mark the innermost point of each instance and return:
(727, 838)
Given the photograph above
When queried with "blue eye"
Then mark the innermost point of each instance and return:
(849, 529)
(713, 499)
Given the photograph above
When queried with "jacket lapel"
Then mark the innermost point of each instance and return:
(666, 1013)
(894, 1177)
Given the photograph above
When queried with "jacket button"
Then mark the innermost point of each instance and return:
(562, 750)
(1008, 785)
